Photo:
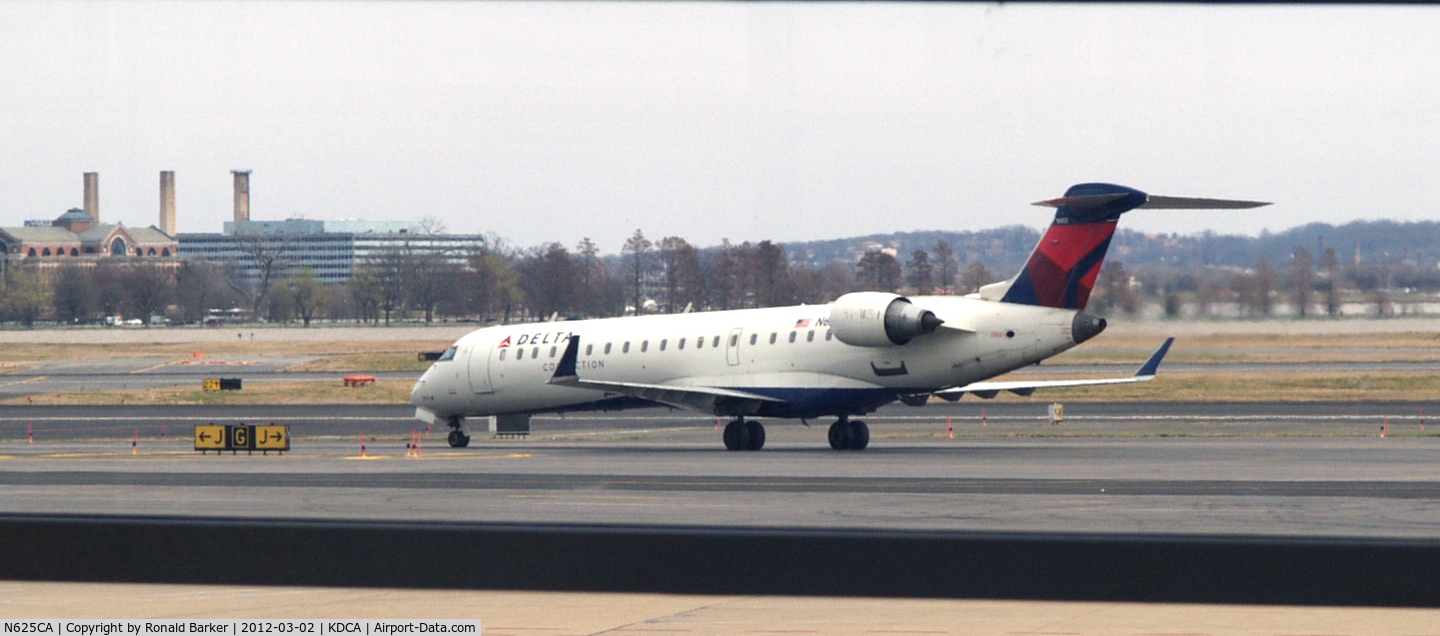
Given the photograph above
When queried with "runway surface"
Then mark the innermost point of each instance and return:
(1247, 469)
(1268, 469)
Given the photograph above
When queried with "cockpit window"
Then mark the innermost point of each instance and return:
(448, 355)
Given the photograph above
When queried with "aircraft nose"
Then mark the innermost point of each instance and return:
(419, 392)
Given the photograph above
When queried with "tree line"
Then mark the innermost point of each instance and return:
(495, 281)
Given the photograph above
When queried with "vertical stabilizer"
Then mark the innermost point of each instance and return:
(1065, 265)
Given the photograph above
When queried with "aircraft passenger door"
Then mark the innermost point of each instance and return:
(732, 347)
(480, 355)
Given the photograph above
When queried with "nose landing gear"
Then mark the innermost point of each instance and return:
(457, 437)
(744, 435)
(848, 435)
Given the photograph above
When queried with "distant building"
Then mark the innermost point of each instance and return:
(333, 249)
(77, 237)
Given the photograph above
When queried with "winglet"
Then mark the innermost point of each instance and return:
(565, 371)
(1152, 366)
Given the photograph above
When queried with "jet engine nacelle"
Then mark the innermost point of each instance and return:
(879, 319)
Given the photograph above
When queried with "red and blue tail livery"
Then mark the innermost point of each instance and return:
(1065, 265)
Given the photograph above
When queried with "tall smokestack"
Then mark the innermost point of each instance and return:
(242, 195)
(167, 202)
(92, 195)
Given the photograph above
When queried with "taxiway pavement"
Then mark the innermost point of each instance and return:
(1270, 469)
(1315, 469)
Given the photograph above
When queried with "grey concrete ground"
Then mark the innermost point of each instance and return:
(1275, 469)
(568, 614)
(1345, 487)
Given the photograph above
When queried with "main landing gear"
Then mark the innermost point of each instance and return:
(744, 435)
(848, 435)
(457, 437)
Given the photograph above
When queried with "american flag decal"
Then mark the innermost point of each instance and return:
(802, 323)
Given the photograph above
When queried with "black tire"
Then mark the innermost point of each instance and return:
(840, 435)
(756, 436)
(458, 439)
(737, 436)
(859, 435)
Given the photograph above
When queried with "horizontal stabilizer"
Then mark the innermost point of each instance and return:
(1188, 203)
(1152, 202)
(987, 390)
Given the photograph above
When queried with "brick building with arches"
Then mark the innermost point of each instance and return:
(77, 239)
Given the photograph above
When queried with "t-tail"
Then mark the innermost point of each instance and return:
(1065, 265)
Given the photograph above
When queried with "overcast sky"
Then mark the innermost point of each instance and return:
(557, 121)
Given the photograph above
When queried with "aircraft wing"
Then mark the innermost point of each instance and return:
(698, 398)
(1026, 387)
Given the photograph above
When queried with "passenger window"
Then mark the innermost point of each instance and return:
(810, 337)
(535, 353)
(644, 346)
(662, 344)
(754, 337)
(717, 341)
(519, 354)
(590, 348)
(772, 337)
(607, 348)
(552, 352)
(679, 343)
(625, 348)
(502, 353)
(792, 337)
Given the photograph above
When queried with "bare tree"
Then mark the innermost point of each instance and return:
(549, 279)
(921, 272)
(390, 268)
(974, 277)
(1265, 278)
(269, 257)
(1333, 281)
(1302, 280)
(25, 296)
(149, 289)
(591, 279)
(680, 270)
(878, 271)
(431, 281)
(725, 290)
(74, 294)
(365, 293)
(200, 287)
(769, 269)
(492, 282)
(943, 259)
(639, 263)
(1116, 290)
(305, 293)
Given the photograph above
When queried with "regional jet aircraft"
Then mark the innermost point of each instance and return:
(841, 360)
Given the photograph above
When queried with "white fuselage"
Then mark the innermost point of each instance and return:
(786, 353)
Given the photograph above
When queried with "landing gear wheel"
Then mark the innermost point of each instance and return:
(859, 435)
(458, 439)
(756, 435)
(840, 435)
(737, 435)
